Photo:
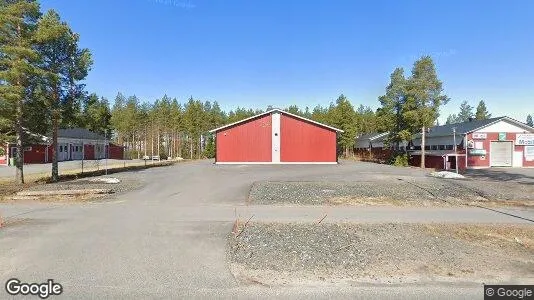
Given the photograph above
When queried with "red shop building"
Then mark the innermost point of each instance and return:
(276, 137)
(495, 142)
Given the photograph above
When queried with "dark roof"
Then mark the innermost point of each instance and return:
(371, 136)
(461, 128)
(79, 133)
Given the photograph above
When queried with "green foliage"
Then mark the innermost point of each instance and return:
(399, 160)
(466, 112)
(452, 119)
(423, 95)
(209, 151)
(410, 104)
(482, 111)
(390, 113)
(529, 121)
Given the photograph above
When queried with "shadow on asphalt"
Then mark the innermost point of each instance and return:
(503, 175)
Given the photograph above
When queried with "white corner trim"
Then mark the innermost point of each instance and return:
(275, 163)
(275, 144)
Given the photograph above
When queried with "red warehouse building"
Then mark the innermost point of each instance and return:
(276, 137)
(495, 142)
(73, 144)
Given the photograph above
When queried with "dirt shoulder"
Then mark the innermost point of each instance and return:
(294, 254)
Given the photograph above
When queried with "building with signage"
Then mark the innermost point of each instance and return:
(495, 142)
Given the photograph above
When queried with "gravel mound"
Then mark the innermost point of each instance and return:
(306, 253)
(399, 191)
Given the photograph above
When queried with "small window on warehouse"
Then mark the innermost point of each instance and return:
(434, 147)
(441, 147)
(60, 148)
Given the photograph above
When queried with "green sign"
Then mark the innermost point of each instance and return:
(502, 136)
(477, 152)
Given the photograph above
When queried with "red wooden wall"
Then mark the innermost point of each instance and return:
(115, 152)
(37, 155)
(246, 142)
(302, 141)
(89, 151)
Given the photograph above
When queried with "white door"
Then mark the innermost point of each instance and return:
(518, 159)
(501, 154)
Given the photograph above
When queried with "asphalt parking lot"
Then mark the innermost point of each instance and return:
(168, 238)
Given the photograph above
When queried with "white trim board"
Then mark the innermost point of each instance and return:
(275, 144)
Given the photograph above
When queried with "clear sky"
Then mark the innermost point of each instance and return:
(280, 52)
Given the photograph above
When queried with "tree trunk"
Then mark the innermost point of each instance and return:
(158, 140)
(19, 158)
(200, 147)
(55, 169)
(423, 147)
(191, 146)
(151, 142)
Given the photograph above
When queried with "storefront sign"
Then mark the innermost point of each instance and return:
(477, 152)
(470, 144)
(502, 136)
(480, 136)
(529, 153)
(526, 139)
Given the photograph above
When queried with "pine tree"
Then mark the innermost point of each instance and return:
(342, 116)
(18, 68)
(482, 112)
(424, 99)
(529, 121)
(452, 119)
(466, 112)
(390, 113)
(64, 65)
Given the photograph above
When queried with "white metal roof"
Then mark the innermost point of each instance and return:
(271, 111)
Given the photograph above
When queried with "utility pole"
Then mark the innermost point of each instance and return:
(106, 150)
(455, 150)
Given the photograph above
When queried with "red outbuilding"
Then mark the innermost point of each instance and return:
(276, 137)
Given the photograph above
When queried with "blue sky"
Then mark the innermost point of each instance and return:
(259, 53)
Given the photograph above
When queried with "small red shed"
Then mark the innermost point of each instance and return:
(276, 137)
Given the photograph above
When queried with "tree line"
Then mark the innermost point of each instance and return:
(466, 113)
(169, 128)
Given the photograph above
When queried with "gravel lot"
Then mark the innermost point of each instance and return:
(399, 191)
(279, 254)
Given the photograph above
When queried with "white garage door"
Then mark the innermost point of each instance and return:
(501, 154)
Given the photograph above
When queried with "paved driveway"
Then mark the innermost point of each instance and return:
(169, 239)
